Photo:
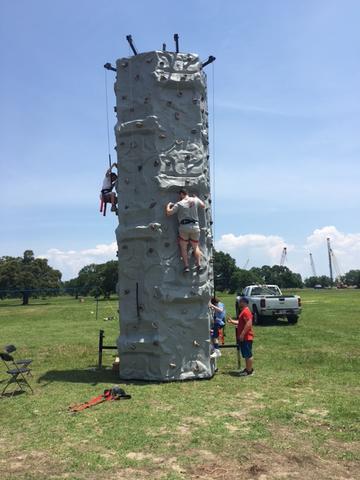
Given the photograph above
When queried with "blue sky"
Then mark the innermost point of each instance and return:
(287, 105)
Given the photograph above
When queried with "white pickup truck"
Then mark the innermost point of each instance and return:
(267, 301)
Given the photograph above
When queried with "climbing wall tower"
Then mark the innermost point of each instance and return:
(162, 145)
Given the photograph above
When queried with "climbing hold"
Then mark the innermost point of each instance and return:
(162, 135)
(193, 130)
(124, 64)
(156, 163)
(126, 292)
(172, 365)
(139, 124)
(196, 344)
(177, 115)
(133, 346)
(152, 204)
(179, 142)
(169, 103)
(187, 181)
(194, 100)
(154, 325)
(179, 94)
(162, 64)
(151, 250)
(187, 157)
(146, 100)
(149, 60)
(126, 207)
(139, 168)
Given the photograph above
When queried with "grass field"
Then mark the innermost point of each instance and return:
(297, 417)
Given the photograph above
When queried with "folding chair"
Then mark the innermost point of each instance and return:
(16, 374)
(23, 362)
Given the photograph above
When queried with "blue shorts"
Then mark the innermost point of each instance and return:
(245, 348)
(215, 330)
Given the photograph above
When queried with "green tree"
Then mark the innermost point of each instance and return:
(96, 279)
(21, 276)
(278, 275)
(224, 267)
(352, 277)
(241, 278)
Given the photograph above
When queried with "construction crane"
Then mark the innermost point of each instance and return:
(334, 265)
(312, 265)
(330, 260)
(283, 257)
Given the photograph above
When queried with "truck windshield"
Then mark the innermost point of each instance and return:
(265, 291)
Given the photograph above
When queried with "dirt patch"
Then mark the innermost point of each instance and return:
(270, 465)
(39, 463)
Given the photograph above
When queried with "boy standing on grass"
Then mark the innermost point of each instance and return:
(244, 335)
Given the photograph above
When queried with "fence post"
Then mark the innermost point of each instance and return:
(101, 340)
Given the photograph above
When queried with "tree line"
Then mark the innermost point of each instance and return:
(27, 276)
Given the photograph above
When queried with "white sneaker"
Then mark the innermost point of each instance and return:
(216, 353)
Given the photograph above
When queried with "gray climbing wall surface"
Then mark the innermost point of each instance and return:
(162, 145)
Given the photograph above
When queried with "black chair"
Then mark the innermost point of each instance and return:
(23, 362)
(16, 373)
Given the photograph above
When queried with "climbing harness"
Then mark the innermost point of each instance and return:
(114, 393)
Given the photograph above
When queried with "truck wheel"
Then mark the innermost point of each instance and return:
(257, 319)
(292, 319)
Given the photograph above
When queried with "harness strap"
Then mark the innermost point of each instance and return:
(183, 239)
(78, 407)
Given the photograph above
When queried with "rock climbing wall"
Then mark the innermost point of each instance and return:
(162, 145)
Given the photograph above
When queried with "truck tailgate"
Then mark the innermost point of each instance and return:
(281, 303)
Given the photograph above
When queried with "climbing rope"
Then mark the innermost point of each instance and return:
(107, 117)
(213, 150)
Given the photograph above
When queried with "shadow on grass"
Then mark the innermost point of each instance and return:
(14, 394)
(24, 306)
(94, 376)
(274, 322)
(91, 375)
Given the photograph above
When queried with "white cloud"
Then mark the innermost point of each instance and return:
(346, 246)
(266, 250)
(259, 249)
(71, 261)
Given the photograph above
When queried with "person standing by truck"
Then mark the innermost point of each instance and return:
(244, 335)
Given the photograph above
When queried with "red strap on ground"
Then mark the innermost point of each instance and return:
(78, 407)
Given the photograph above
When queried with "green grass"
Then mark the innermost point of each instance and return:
(297, 417)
